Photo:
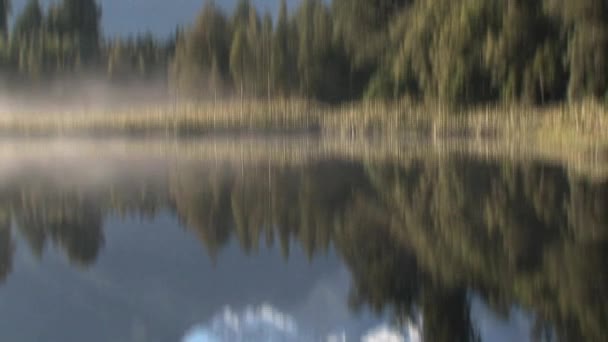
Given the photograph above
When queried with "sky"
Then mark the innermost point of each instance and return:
(160, 17)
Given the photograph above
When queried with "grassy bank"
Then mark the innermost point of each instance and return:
(255, 151)
(569, 125)
(179, 118)
(588, 120)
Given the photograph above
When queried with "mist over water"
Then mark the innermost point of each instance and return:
(83, 94)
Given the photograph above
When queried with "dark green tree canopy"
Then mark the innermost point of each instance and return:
(5, 10)
(462, 52)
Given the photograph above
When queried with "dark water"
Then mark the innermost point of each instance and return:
(437, 249)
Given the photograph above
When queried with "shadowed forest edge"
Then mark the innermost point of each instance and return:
(458, 53)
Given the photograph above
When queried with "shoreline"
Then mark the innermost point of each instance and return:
(573, 127)
(294, 151)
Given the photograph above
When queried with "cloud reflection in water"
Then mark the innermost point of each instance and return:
(265, 323)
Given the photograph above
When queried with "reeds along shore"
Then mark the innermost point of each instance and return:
(576, 123)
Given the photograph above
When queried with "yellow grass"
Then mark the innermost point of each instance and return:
(569, 126)
(172, 119)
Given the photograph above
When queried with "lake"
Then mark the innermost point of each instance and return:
(297, 240)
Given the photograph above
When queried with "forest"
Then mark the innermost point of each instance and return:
(450, 51)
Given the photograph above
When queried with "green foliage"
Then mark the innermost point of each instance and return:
(30, 20)
(455, 52)
(440, 46)
(380, 86)
(313, 28)
(363, 27)
(66, 40)
(201, 56)
(281, 59)
(239, 55)
(5, 10)
(81, 20)
(524, 66)
(140, 58)
(521, 45)
(585, 24)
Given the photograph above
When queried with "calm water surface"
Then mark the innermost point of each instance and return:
(99, 246)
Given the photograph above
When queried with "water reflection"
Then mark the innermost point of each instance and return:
(435, 241)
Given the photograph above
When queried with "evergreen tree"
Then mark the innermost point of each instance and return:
(239, 55)
(522, 52)
(253, 71)
(265, 55)
(459, 52)
(280, 57)
(362, 27)
(30, 20)
(201, 60)
(313, 27)
(585, 24)
(80, 19)
(5, 10)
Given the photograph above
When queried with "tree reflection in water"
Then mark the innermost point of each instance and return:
(417, 237)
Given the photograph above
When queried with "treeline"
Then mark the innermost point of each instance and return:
(65, 40)
(454, 51)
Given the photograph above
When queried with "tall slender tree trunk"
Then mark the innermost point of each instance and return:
(242, 99)
(542, 90)
(269, 67)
